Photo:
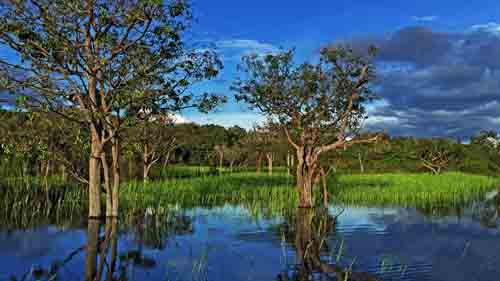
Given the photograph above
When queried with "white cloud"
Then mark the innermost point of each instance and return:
(246, 44)
(425, 18)
(234, 49)
(491, 27)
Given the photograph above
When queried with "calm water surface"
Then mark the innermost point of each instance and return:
(231, 244)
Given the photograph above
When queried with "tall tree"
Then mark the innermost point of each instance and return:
(101, 57)
(320, 107)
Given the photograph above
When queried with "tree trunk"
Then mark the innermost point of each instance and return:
(289, 163)
(146, 165)
(95, 176)
(269, 157)
(116, 150)
(145, 172)
(361, 166)
(259, 163)
(305, 178)
(107, 185)
(221, 160)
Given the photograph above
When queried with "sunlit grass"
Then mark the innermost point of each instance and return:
(412, 190)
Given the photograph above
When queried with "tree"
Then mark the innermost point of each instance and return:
(154, 137)
(102, 58)
(436, 155)
(320, 107)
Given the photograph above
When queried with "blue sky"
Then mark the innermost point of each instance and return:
(239, 27)
(438, 61)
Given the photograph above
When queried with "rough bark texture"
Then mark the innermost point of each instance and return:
(305, 178)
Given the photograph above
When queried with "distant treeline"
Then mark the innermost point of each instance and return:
(34, 144)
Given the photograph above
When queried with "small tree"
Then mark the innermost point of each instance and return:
(154, 138)
(320, 107)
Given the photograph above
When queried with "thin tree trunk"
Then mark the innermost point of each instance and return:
(116, 151)
(221, 160)
(288, 164)
(94, 176)
(269, 157)
(259, 163)
(107, 185)
(361, 166)
(145, 172)
(146, 164)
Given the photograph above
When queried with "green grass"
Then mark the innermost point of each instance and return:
(27, 201)
(269, 194)
(412, 190)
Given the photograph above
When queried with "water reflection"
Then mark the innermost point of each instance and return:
(100, 249)
(313, 230)
(363, 244)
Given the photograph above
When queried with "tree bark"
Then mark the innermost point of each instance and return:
(145, 172)
(269, 157)
(258, 163)
(305, 179)
(107, 184)
(116, 151)
(95, 176)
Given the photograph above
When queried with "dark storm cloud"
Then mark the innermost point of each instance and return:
(437, 83)
(416, 45)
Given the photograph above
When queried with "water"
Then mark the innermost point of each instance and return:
(231, 244)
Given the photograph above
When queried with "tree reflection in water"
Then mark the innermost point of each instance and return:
(311, 229)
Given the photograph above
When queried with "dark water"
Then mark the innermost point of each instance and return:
(231, 244)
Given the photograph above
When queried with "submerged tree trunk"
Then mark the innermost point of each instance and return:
(92, 249)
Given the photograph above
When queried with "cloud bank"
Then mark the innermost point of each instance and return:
(437, 83)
